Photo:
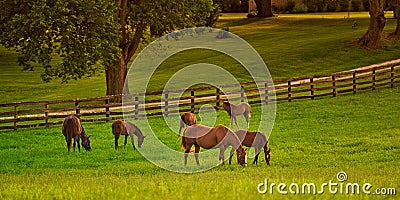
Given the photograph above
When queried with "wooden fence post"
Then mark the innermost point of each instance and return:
(354, 82)
(46, 114)
(391, 76)
(312, 87)
(136, 106)
(266, 92)
(192, 101)
(289, 90)
(77, 109)
(241, 93)
(107, 109)
(166, 104)
(217, 98)
(15, 117)
(373, 78)
(333, 86)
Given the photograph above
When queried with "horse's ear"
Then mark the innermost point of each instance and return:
(89, 136)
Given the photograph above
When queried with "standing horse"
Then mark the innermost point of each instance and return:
(238, 109)
(256, 140)
(211, 138)
(127, 128)
(72, 128)
(187, 119)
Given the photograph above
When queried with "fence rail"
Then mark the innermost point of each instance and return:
(47, 113)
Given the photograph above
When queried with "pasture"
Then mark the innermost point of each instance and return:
(312, 141)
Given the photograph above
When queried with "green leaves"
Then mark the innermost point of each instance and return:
(82, 33)
(74, 39)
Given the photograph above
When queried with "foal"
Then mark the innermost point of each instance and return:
(127, 128)
(72, 128)
(256, 140)
(238, 109)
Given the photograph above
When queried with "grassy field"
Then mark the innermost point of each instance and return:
(311, 142)
(291, 46)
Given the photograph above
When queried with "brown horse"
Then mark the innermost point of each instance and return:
(211, 138)
(126, 128)
(72, 128)
(256, 140)
(238, 109)
(187, 119)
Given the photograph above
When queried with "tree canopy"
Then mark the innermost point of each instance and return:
(72, 39)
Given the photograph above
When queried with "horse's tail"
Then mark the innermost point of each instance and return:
(181, 125)
(249, 110)
(70, 128)
(183, 143)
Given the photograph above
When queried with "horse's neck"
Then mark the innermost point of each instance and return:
(138, 133)
(234, 140)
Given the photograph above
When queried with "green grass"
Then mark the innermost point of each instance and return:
(312, 141)
(291, 46)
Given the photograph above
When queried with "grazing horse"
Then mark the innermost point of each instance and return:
(238, 109)
(256, 140)
(211, 138)
(72, 128)
(126, 128)
(187, 119)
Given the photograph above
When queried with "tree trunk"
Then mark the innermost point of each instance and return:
(116, 74)
(396, 12)
(115, 77)
(371, 39)
(264, 8)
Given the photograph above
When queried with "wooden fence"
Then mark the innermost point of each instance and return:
(47, 113)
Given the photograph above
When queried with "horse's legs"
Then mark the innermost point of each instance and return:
(247, 117)
(230, 155)
(132, 140)
(196, 153)
(69, 142)
(116, 141)
(256, 159)
(221, 155)
(78, 141)
(126, 138)
(234, 118)
(187, 150)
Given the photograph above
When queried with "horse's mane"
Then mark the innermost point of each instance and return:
(227, 107)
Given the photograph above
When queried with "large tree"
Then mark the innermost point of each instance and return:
(396, 11)
(92, 35)
(264, 8)
(372, 38)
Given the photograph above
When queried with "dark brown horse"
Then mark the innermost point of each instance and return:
(238, 109)
(211, 138)
(256, 140)
(187, 119)
(72, 128)
(128, 129)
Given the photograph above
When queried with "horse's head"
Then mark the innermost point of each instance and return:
(268, 155)
(140, 141)
(241, 156)
(86, 142)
